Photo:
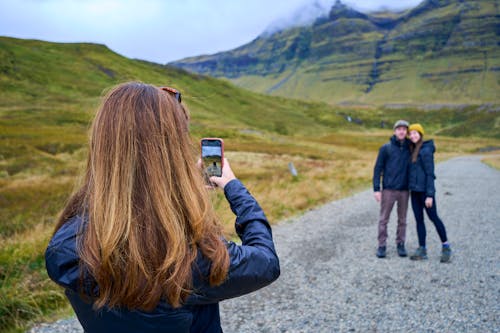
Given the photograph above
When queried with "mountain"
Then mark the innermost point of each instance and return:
(442, 51)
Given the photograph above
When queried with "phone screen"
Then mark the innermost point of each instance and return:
(212, 152)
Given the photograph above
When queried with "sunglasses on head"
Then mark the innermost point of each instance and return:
(176, 93)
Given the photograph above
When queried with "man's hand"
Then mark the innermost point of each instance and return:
(378, 196)
(428, 202)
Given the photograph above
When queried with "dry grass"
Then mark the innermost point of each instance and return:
(493, 161)
(281, 195)
(329, 168)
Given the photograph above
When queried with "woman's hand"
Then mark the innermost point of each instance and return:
(227, 176)
(429, 202)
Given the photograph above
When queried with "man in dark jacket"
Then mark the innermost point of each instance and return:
(392, 165)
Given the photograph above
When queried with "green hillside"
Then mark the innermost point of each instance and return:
(37, 75)
(49, 91)
(443, 51)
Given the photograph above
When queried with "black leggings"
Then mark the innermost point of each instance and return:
(418, 205)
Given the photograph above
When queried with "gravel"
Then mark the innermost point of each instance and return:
(331, 280)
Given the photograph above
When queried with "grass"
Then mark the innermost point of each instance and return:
(26, 292)
(492, 161)
(44, 117)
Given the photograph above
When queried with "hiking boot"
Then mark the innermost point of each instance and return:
(445, 254)
(381, 251)
(420, 254)
(402, 250)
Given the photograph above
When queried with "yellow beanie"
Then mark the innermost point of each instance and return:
(418, 128)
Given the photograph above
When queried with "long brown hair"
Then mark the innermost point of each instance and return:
(147, 207)
(415, 149)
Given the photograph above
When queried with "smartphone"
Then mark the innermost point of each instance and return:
(212, 156)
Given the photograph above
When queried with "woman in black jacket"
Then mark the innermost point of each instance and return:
(423, 192)
(139, 248)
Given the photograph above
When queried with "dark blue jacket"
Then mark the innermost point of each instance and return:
(422, 171)
(253, 265)
(392, 164)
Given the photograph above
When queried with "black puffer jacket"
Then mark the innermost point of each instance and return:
(392, 164)
(253, 265)
(422, 171)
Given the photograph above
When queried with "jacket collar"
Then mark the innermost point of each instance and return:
(395, 141)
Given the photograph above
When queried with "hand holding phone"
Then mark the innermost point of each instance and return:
(215, 167)
(212, 156)
(227, 176)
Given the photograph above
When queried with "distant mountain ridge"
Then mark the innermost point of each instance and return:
(442, 51)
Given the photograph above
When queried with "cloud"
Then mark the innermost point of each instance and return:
(308, 12)
(370, 5)
(161, 30)
(304, 15)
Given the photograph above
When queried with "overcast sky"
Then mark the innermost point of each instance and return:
(163, 30)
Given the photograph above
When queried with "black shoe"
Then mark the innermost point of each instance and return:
(381, 251)
(446, 254)
(420, 254)
(402, 250)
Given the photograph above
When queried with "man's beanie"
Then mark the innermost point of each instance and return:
(401, 123)
(418, 128)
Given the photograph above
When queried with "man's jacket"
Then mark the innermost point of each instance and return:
(422, 171)
(253, 265)
(392, 165)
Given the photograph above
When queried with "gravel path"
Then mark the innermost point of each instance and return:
(331, 280)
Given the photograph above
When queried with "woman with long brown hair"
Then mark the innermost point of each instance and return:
(138, 248)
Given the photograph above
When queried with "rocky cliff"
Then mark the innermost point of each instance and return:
(442, 51)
